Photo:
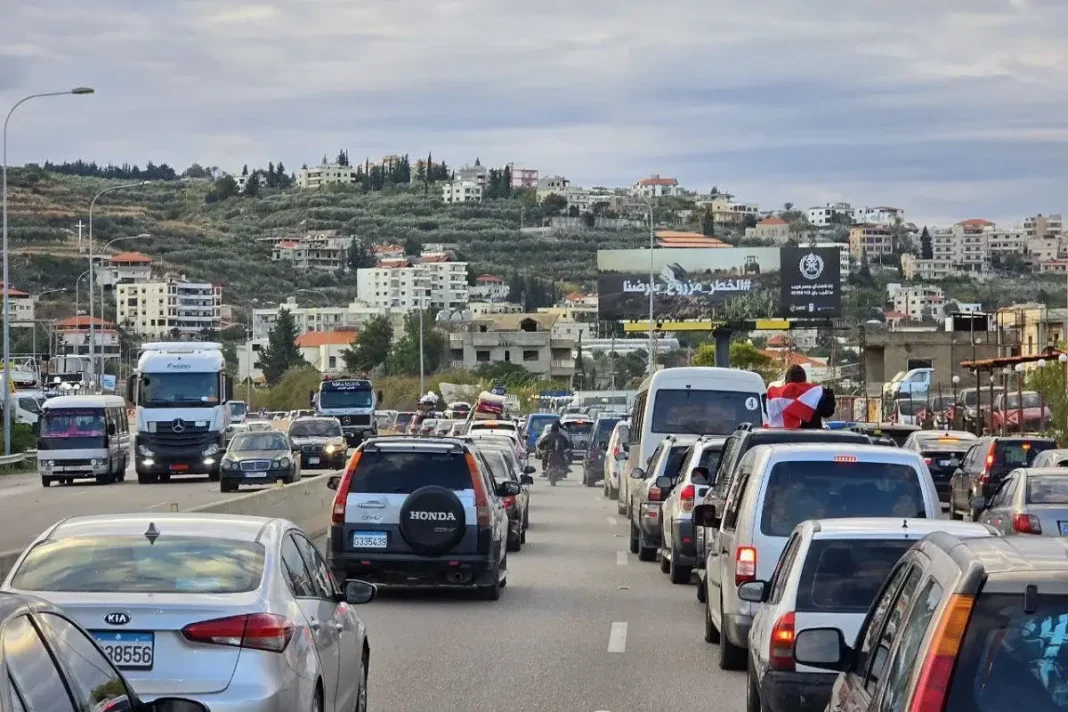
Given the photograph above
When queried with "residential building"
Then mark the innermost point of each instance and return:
(325, 174)
(770, 228)
(448, 280)
(473, 174)
(489, 288)
(351, 317)
(576, 306)
(389, 252)
(656, 187)
(888, 352)
(584, 199)
(870, 242)
(159, 309)
(1053, 266)
(524, 339)
(434, 282)
(242, 180)
(457, 191)
(123, 267)
(932, 270)
(919, 302)
(880, 215)
(72, 337)
(21, 305)
(822, 217)
(1044, 249)
(1000, 244)
(324, 251)
(1044, 225)
(552, 184)
(726, 211)
(482, 310)
(323, 349)
(523, 177)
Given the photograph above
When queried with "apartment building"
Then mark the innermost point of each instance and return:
(72, 337)
(656, 187)
(489, 288)
(822, 216)
(1043, 226)
(552, 184)
(1002, 243)
(870, 242)
(920, 302)
(448, 280)
(880, 215)
(726, 211)
(770, 228)
(158, 309)
(473, 174)
(21, 306)
(523, 178)
(482, 310)
(432, 282)
(324, 251)
(242, 180)
(123, 267)
(325, 174)
(350, 317)
(458, 191)
(1044, 249)
(524, 339)
(584, 199)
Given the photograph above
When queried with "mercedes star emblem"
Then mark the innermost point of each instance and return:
(178, 425)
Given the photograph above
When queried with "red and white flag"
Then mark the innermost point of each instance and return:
(792, 404)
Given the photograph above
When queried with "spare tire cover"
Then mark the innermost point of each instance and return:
(432, 520)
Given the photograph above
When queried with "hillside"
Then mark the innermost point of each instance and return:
(229, 242)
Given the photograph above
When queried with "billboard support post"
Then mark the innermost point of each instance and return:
(723, 347)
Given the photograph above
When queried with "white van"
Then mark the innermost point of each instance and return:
(83, 437)
(775, 488)
(695, 400)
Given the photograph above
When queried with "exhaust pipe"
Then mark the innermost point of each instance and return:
(457, 577)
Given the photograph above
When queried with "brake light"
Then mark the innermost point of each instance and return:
(984, 477)
(1026, 524)
(686, 496)
(337, 515)
(745, 561)
(482, 510)
(781, 648)
(259, 631)
(927, 461)
(937, 670)
(654, 494)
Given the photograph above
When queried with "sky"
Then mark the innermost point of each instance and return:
(948, 109)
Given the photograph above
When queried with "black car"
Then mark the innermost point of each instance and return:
(258, 459)
(502, 469)
(51, 663)
(320, 442)
(985, 465)
(943, 451)
(593, 458)
(890, 434)
(960, 625)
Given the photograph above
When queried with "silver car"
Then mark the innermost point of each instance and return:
(238, 613)
(1051, 458)
(1028, 501)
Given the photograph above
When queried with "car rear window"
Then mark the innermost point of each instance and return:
(701, 412)
(121, 564)
(577, 427)
(950, 443)
(604, 428)
(384, 472)
(1012, 657)
(1047, 489)
(844, 575)
(1019, 453)
(824, 490)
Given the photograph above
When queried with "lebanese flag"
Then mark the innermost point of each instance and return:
(791, 404)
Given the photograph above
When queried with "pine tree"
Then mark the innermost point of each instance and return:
(281, 352)
(244, 170)
(271, 181)
(926, 250)
(342, 158)
(430, 167)
(359, 256)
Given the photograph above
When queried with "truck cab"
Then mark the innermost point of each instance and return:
(352, 401)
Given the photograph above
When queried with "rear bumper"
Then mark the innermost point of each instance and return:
(737, 626)
(796, 691)
(238, 478)
(412, 570)
(649, 522)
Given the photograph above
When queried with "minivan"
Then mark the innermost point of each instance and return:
(83, 437)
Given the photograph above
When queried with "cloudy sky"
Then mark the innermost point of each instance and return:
(947, 108)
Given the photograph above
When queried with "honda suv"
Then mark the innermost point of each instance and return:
(421, 512)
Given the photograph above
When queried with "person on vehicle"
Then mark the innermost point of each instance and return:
(799, 403)
(553, 443)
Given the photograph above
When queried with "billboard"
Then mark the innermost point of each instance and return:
(811, 282)
(730, 283)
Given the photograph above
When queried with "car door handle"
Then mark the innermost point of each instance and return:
(372, 504)
(314, 624)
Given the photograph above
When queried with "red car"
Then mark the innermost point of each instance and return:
(1008, 409)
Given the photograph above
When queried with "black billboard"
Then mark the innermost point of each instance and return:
(811, 282)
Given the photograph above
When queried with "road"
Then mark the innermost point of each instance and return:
(583, 626)
(28, 508)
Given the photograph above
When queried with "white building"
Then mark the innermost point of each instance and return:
(461, 192)
(21, 305)
(552, 184)
(656, 187)
(242, 180)
(919, 301)
(325, 174)
(321, 251)
(473, 174)
(433, 282)
(1044, 225)
(72, 337)
(523, 178)
(351, 317)
(157, 309)
(821, 216)
(323, 349)
(124, 267)
(880, 215)
(489, 288)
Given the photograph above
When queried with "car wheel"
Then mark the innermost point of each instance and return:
(514, 542)
(620, 507)
(679, 574)
(752, 694)
(225, 486)
(493, 591)
(731, 657)
(702, 591)
(633, 538)
(589, 479)
(711, 634)
(45, 481)
(523, 536)
(646, 553)
(361, 696)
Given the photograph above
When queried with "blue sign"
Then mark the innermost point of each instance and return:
(107, 381)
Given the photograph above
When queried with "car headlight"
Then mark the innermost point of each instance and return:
(145, 451)
(47, 464)
(283, 462)
(330, 449)
(228, 464)
(96, 463)
(212, 449)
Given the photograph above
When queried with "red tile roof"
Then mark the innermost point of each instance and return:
(287, 244)
(433, 257)
(81, 322)
(891, 315)
(315, 339)
(132, 257)
(975, 221)
(488, 278)
(773, 220)
(14, 292)
(394, 262)
(778, 340)
(657, 180)
(672, 238)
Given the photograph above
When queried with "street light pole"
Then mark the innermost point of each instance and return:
(92, 326)
(7, 263)
(34, 323)
(652, 283)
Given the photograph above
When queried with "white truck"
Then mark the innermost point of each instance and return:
(180, 392)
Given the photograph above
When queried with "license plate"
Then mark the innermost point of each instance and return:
(179, 468)
(128, 651)
(1064, 528)
(945, 463)
(255, 474)
(369, 540)
(313, 461)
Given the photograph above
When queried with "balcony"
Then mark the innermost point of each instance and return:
(510, 338)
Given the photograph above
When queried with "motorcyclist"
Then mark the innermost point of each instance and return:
(555, 442)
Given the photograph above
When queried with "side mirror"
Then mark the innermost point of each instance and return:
(526, 479)
(978, 503)
(705, 515)
(171, 704)
(359, 592)
(637, 473)
(699, 476)
(509, 488)
(823, 648)
(664, 482)
(529, 470)
(333, 482)
(753, 591)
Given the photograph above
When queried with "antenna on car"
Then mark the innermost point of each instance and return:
(152, 533)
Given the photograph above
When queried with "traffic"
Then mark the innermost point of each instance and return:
(806, 566)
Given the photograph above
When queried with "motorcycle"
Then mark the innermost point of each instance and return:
(556, 470)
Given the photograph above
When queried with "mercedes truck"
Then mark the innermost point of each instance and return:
(180, 393)
(352, 401)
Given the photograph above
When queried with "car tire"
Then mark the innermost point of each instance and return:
(711, 633)
(665, 563)
(621, 508)
(588, 479)
(523, 536)
(45, 481)
(514, 542)
(361, 694)
(225, 486)
(646, 553)
(493, 591)
(731, 657)
(702, 591)
(753, 702)
(679, 574)
(633, 538)
(214, 476)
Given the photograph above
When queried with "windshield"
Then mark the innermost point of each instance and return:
(537, 423)
(700, 412)
(345, 399)
(315, 429)
(237, 409)
(30, 405)
(803, 490)
(951, 443)
(1020, 453)
(403, 418)
(1030, 400)
(251, 442)
(178, 390)
(73, 423)
(120, 564)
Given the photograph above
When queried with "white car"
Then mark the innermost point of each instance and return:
(677, 538)
(828, 576)
(614, 460)
(775, 488)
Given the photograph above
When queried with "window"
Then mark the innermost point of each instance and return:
(726, 461)
(92, 678)
(844, 575)
(300, 580)
(401, 472)
(782, 569)
(703, 412)
(507, 356)
(482, 356)
(530, 354)
(876, 617)
(890, 633)
(321, 578)
(737, 492)
(34, 677)
(907, 652)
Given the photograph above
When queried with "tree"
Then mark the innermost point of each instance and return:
(229, 351)
(705, 355)
(244, 170)
(708, 223)
(281, 352)
(412, 246)
(553, 204)
(196, 171)
(359, 256)
(342, 158)
(506, 373)
(743, 355)
(926, 251)
(405, 357)
(372, 348)
(252, 185)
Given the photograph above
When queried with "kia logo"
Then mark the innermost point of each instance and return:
(178, 426)
(116, 619)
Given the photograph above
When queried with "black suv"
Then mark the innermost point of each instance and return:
(958, 626)
(422, 512)
(740, 442)
(593, 457)
(988, 460)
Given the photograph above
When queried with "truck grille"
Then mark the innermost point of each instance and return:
(356, 420)
(177, 444)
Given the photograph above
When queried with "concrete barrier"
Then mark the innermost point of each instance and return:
(306, 503)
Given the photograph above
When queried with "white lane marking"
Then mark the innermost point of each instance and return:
(617, 639)
(169, 506)
(621, 558)
(612, 520)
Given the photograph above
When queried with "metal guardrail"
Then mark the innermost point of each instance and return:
(14, 459)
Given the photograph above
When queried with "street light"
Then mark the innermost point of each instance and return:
(1019, 396)
(248, 351)
(652, 285)
(77, 284)
(92, 327)
(955, 380)
(7, 263)
(34, 325)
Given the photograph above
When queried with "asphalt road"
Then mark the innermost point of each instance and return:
(582, 626)
(27, 508)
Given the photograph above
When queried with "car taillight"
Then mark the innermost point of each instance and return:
(654, 494)
(482, 510)
(745, 561)
(781, 648)
(615, 452)
(686, 496)
(337, 515)
(984, 477)
(927, 461)
(259, 631)
(937, 670)
(508, 501)
(1026, 524)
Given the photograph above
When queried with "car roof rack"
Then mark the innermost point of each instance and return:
(745, 426)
